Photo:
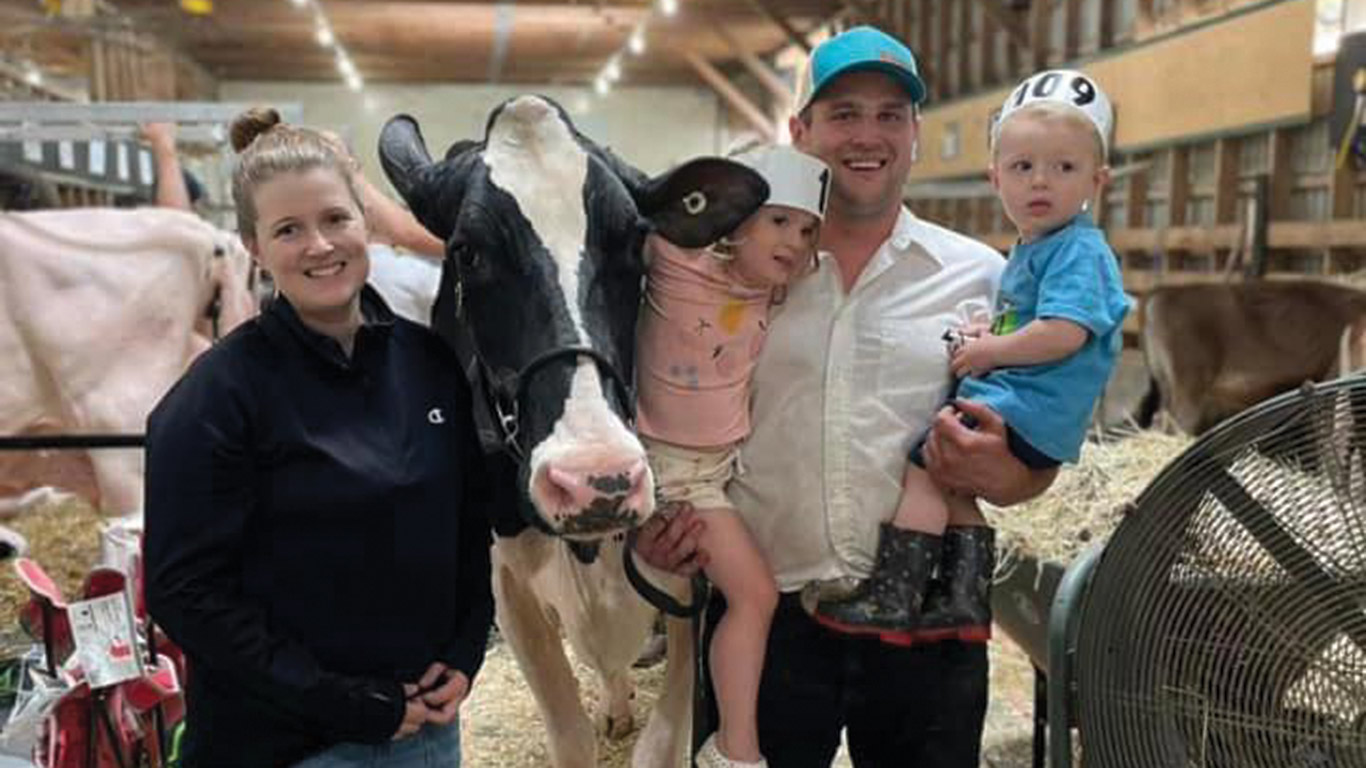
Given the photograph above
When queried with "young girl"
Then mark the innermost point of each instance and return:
(704, 323)
(1040, 366)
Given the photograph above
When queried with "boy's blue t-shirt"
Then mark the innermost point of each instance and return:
(1070, 274)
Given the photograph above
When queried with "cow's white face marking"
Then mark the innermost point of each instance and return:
(532, 155)
(587, 436)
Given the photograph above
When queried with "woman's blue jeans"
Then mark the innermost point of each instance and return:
(435, 746)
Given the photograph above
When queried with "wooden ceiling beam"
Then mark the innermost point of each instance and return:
(793, 34)
(732, 95)
(781, 92)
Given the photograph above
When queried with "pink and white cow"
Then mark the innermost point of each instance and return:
(543, 271)
(101, 310)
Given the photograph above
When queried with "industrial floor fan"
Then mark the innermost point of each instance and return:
(1223, 625)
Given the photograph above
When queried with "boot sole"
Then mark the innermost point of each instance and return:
(905, 638)
(900, 637)
(974, 634)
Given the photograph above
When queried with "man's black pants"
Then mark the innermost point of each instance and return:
(920, 707)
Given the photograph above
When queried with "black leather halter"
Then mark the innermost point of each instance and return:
(504, 395)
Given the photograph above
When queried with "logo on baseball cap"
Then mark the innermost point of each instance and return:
(857, 49)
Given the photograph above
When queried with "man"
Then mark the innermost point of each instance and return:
(852, 374)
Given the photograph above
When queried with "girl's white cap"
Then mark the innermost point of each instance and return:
(795, 179)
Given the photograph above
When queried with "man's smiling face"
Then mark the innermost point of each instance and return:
(863, 127)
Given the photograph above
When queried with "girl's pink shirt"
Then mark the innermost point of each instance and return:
(698, 338)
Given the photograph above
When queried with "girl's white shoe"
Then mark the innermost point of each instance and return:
(709, 756)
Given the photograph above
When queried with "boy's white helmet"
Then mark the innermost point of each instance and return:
(795, 179)
(1061, 86)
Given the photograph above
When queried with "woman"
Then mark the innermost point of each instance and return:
(317, 504)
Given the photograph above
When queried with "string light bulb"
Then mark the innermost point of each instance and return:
(613, 70)
(668, 7)
(601, 85)
(636, 42)
(324, 36)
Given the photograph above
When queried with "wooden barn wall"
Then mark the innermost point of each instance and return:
(1249, 69)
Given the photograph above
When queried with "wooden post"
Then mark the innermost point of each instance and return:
(986, 72)
(947, 88)
(1107, 23)
(1040, 30)
(1014, 58)
(984, 216)
(1342, 193)
(1072, 27)
(1143, 21)
(925, 33)
(1226, 154)
(1178, 185)
(1136, 200)
(1255, 267)
(99, 71)
(965, 42)
(1282, 176)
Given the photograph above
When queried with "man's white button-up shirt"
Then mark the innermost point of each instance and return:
(846, 384)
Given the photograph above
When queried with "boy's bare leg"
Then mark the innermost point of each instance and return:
(737, 649)
(922, 505)
(963, 510)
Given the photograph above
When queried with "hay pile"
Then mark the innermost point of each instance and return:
(64, 538)
(500, 726)
(1085, 503)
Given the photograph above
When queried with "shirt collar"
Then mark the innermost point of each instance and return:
(911, 235)
(281, 318)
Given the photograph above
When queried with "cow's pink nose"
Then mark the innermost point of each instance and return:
(611, 494)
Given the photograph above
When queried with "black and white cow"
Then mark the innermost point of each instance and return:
(542, 278)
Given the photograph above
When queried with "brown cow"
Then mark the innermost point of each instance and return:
(1214, 349)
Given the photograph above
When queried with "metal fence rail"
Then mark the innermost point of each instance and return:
(69, 442)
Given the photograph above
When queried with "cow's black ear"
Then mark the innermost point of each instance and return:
(433, 191)
(696, 203)
(403, 155)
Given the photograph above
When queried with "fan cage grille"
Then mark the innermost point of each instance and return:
(1225, 624)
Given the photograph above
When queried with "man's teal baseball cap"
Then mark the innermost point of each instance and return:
(858, 49)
